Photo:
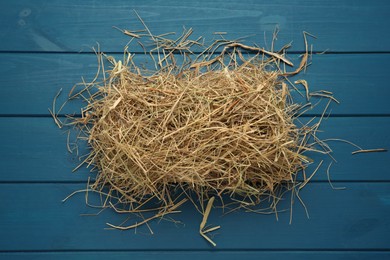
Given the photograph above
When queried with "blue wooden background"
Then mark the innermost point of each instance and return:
(40, 50)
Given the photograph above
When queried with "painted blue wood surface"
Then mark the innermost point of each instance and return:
(341, 25)
(217, 255)
(38, 55)
(352, 219)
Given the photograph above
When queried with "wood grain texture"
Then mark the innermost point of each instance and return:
(73, 25)
(39, 46)
(29, 82)
(355, 218)
(34, 149)
(217, 255)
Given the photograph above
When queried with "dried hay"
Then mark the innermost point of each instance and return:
(225, 131)
(214, 125)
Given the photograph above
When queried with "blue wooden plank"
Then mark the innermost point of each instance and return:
(29, 82)
(73, 26)
(32, 217)
(215, 255)
(34, 149)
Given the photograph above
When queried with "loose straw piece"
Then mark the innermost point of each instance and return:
(305, 85)
(329, 180)
(303, 63)
(53, 112)
(204, 222)
(379, 150)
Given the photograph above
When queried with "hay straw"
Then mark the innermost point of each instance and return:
(224, 131)
(215, 125)
(329, 181)
(202, 225)
(378, 150)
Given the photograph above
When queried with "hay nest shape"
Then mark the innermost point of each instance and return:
(219, 125)
(226, 131)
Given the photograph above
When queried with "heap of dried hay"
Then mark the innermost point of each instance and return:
(212, 126)
(225, 131)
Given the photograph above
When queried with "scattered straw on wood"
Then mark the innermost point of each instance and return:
(215, 125)
(221, 123)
